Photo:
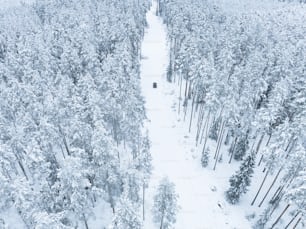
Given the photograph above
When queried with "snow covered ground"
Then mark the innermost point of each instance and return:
(173, 149)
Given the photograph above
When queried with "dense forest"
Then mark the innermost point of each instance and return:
(75, 147)
(243, 76)
(69, 137)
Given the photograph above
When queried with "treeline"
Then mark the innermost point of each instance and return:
(71, 117)
(242, 78)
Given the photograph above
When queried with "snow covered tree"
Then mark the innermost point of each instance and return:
(143, 163)
(54, 220)
(297, 191)
(241, 180)
(241, 147)
(214, 129)
(66, 68)
(165, 205)
(126, 216)
(205, 158)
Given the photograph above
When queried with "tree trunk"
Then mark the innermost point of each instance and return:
(173, 58)
(273, 182)
(280, 216)
(66, 146)
(157, 8)
(293, 218)
(115, 131)
(219, 137)
(143, 201)
(276, 193)
(221, 140)
(85, 222)
(192, 108)
(162, 222)
(199, 125)
(252, 148)
(22, 167)
(270, 135)
(259, 142)
(110, 197)
(64, 140)
(262, 183)
(185, 105)
(232, 153)
(295, 225)
(260, 160)
(189, 90)
(205, 130)
(180, 98)
(186, 87)
(218, 150)
(276, 204)
(219, 145)
(280, 192)
(62, 152)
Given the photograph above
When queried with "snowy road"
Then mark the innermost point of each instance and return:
(173, 150)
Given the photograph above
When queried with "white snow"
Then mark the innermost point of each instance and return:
(201, 191)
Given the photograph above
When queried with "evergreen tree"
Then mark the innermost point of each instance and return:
(264, 217)
(241, 148)
(165, 205)
(214, 129)
(297, 191)
(241, 180)
(126, 216)
(205, 158)
(66, 69)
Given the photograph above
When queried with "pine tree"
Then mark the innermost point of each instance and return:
(241, 148)
(241, 180)
(205, 158)
(165, 205)
(66, 69)
(297, 191)
(213, 132)
(126, 216)
(264, 217)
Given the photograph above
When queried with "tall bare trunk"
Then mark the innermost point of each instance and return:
(280, 216)
(219, 145)
(259, 142)
(295, 225)
(270, 135)
(191, 115)
(204, 128)
(273, 182)
(206, 131)
(293, 218)
(22, 169)
(262, 183)
(110, 197)
(199, 124)
(186, 87)
(232, 153)
(219, 137)
(85, 222)
(260, 160)
(162, 222)
(143, 201)
(180, 98)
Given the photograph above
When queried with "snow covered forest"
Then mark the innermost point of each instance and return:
(71, 141)
(86, 142)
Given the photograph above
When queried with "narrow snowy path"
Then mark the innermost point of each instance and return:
(172, 148)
